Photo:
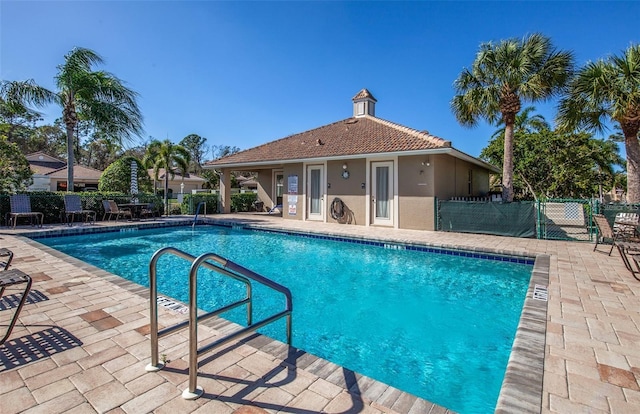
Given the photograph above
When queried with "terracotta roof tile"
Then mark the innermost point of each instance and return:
(351, 136)
(79, 171)
(363, 94)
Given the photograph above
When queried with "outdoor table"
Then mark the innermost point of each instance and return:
(135, 208)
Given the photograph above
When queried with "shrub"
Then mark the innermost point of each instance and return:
(242, 201)
(190, 203)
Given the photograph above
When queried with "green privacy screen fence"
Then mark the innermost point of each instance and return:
(503, 219)
(551, 219)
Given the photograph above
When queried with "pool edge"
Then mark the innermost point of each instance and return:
(521, 389)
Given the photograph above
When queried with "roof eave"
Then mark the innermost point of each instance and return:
(445, 150)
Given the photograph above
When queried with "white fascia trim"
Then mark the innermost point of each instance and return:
(451, 151)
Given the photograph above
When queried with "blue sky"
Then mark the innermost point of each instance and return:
(246, 73)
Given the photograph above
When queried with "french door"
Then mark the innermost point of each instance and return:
(382, 193)
(315, 192)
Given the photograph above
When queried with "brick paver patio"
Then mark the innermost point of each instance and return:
(95, 327)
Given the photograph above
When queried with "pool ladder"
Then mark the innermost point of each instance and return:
(227, 268)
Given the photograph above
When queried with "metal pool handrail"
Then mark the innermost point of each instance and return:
(230, 269)
(195, 218)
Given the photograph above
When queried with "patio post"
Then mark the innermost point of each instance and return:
(225, 191)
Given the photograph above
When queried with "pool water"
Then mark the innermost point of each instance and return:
(438, 326)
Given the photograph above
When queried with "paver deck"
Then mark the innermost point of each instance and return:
(96, 328)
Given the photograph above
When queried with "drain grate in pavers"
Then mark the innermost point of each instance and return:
(36, 346)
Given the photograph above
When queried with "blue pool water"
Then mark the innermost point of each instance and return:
(438, 326)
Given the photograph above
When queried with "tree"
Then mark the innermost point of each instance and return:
(49, 139)
(608, 90)
(212, 179)
(117, 176)
(15, 173)
(170, 157)
(195, 145)
(17, 120)
(524, 123)
(501, 78)
(95, 96)
(556, 165)
(219, 151)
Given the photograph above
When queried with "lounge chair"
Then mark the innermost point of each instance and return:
(21, 207)
(10, 278)
(73, 207)
(276, 209)
(630, 253)
(114, 209)
(5, 263)
(626, 224)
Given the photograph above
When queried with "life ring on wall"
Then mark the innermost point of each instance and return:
(337, 209)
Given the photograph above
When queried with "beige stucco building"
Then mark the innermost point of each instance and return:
(362, 170)
(50, 174)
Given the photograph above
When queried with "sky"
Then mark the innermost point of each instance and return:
(245, 73)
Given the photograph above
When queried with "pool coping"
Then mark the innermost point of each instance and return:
(521, 389)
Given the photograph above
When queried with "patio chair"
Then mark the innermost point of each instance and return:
(114, 209)
(147, 211)
(605, 232)
(73, 207)
(21, 207)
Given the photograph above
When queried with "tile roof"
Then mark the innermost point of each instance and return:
(80, 172)
(348, 137)
(42, 163)
(363, 94)
(176, 176)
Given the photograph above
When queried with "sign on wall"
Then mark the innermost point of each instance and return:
(292, 197)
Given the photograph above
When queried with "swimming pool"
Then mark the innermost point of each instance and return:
(439, 326)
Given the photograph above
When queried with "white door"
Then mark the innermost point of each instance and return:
(315, 192)
(382, 193)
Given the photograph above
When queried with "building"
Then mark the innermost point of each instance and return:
(177, 183)
(361, 170)
(50, 174)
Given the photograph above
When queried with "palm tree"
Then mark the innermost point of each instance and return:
(96, 96)
(524, 123)
(501, 77)
(609, 90)
(170, 157)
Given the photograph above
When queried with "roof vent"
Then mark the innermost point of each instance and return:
(364, 104)
(351, 121)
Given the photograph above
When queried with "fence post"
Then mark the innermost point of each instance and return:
(538, 221)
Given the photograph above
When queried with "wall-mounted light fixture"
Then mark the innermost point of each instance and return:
(328, 185)
(426, 163)
(363, 186)
(345, 173)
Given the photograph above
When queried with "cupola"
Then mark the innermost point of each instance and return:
(364, 104)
